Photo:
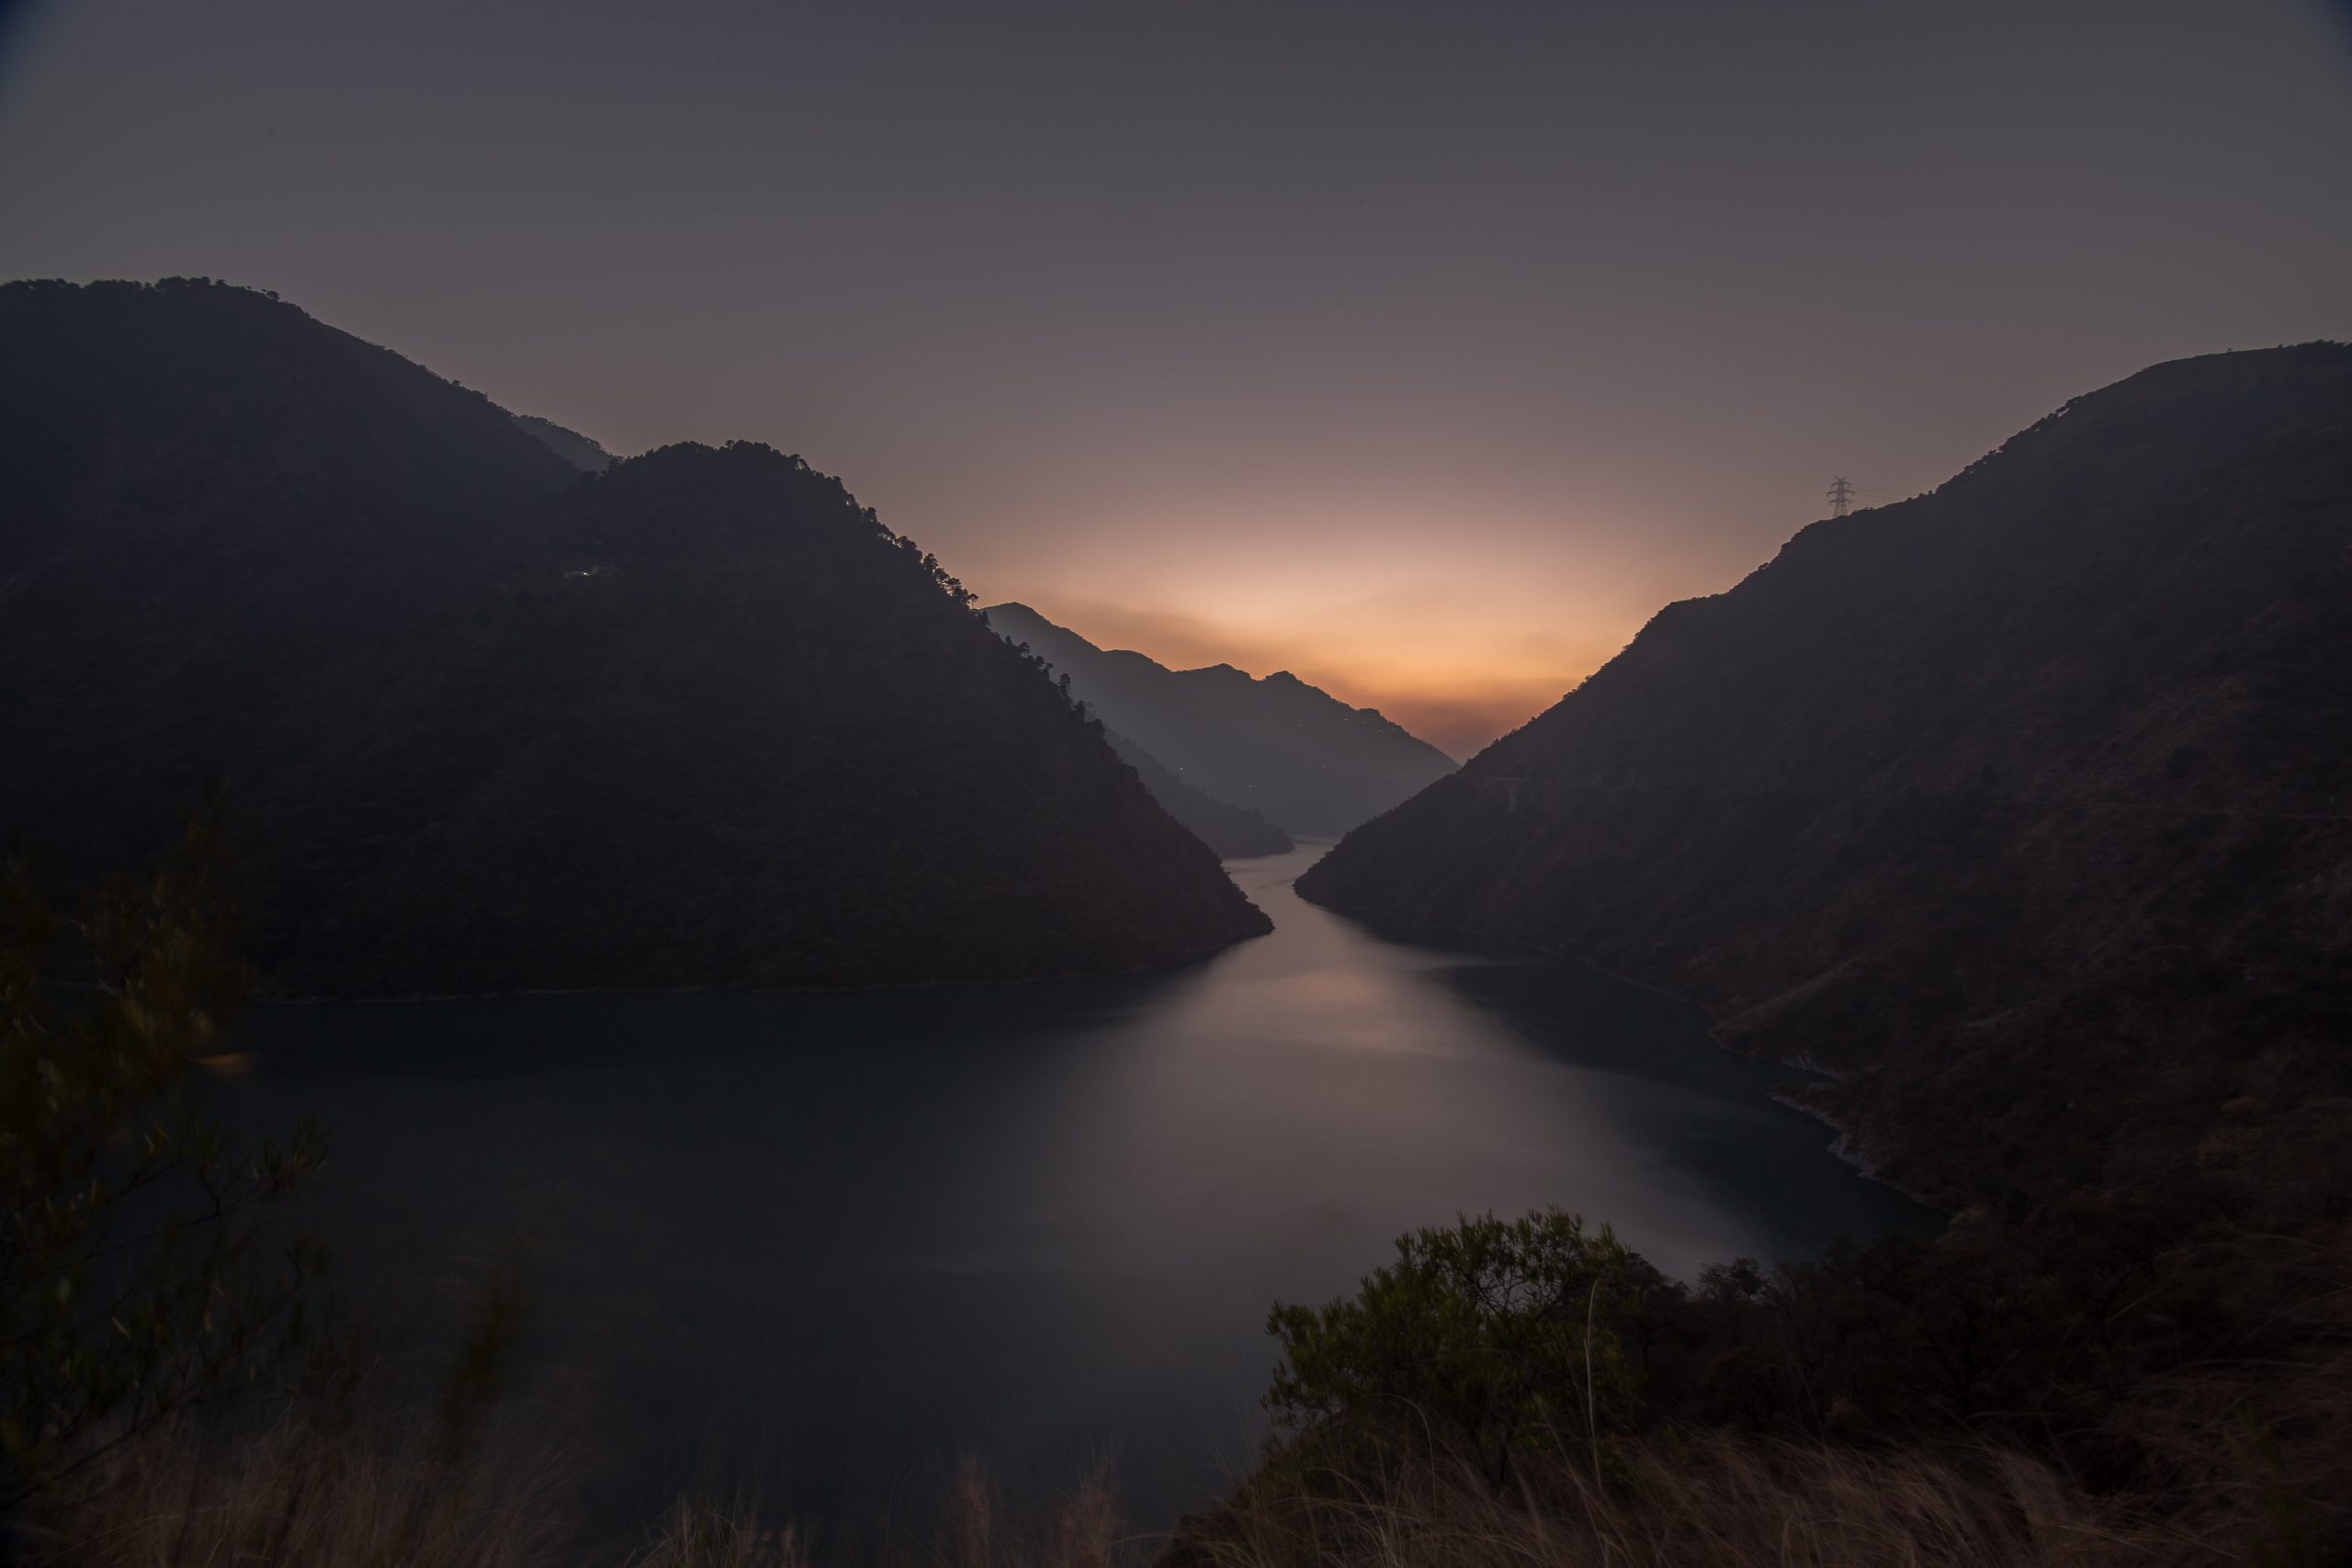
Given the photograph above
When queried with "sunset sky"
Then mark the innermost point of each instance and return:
(1423, 350)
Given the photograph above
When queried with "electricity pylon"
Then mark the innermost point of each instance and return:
(1841, 496)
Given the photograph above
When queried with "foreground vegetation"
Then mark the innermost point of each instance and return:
(131, 1284)
(1508, 1392)
(333, 1500)
(2158, 1378)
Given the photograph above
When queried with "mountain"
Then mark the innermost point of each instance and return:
(2023, 807)
(1277, 746)
(1233, 831)
(214, 501)
(569, 444)
(487, 723)
(724, 726)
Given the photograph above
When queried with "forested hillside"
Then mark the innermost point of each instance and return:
(723, 728)
(2023, 806)
(485, 722)
(213, 500)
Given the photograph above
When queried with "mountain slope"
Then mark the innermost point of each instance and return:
(1277, 746)
(724, 727)
(212, 499)
(487, 723)
(569, 444)
(2024, 805)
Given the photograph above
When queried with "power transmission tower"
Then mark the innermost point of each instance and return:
(1841, 496)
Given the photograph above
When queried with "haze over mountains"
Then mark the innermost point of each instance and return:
(2023, 806)
(569, 444)
(1277, 746)
(488, 722)
(1234, 832)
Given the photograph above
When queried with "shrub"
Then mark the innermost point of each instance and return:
(130, 1282)
(1494, 1334)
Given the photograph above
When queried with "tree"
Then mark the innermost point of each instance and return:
(131, 1281)
(1498, 1334)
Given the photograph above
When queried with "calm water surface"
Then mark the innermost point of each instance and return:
(828, 1244)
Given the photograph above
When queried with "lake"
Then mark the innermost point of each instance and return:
(822, 1245)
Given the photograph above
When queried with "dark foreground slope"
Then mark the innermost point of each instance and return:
(724, 727)
(2025, 805)
(1277, 746)
(487, 723)
(211, 499)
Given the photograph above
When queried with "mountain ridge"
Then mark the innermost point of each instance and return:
(489, 723)
(1288, 749)
(215, 496)
(2009, 804)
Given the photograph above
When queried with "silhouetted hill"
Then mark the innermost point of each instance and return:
(569, 444)
(2024, 805)
(490, 724)
(212, 499)
(725, 727)
(1280, 747)
(1234, 832)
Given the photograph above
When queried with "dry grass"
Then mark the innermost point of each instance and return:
(323, 1500)
(1082, 1529)
(326, 1495)
(376, 1494)
(349, 1496)
(1719, 1503)
(700, 1534)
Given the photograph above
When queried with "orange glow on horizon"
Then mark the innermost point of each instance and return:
(1455, 683)
(1459, 613)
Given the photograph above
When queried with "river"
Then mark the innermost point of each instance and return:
(820, 1246)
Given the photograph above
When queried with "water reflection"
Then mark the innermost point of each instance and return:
(835, 1240)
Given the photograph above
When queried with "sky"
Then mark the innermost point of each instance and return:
(1423, 350)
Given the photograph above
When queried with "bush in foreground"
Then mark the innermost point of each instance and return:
(1492, 1333)
(131, 1284)
(2162, 1376)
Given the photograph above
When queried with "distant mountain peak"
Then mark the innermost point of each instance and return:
(1278, 745)
(569, 444)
